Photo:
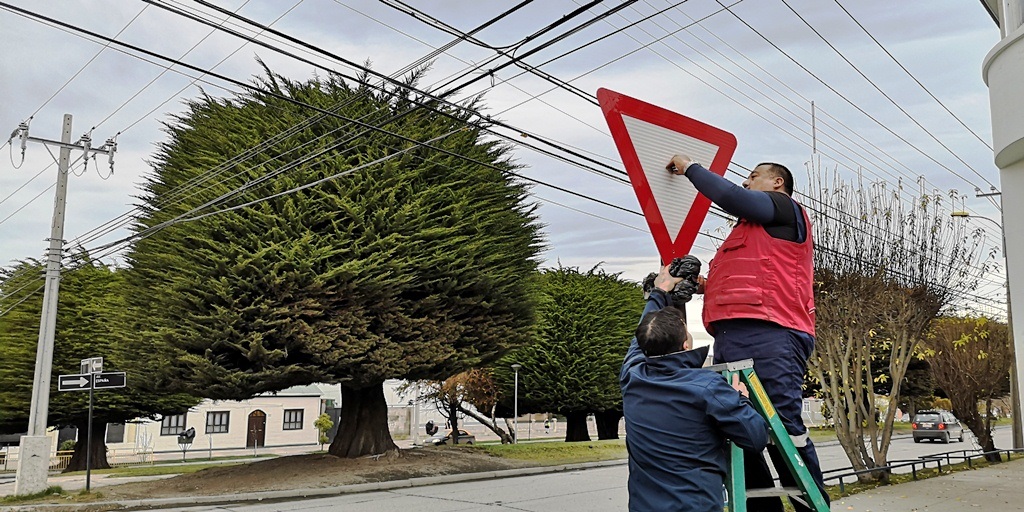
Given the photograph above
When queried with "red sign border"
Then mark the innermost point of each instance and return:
(615, 105)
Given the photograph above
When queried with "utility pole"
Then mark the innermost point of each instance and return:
(34, 451)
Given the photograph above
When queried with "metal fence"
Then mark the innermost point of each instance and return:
(60, 460)
(921, 462)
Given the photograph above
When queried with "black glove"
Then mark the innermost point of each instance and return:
(648, 285)
(688, 268)
(683, 291)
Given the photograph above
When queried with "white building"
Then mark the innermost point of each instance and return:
(273, 420)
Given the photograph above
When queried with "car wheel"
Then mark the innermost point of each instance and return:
(917, 439)
(945, 438)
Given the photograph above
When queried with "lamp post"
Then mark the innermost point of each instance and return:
(1018, 421)
(416, 415)
(515, 406)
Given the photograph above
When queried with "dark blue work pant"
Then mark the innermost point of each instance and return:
(780, 360)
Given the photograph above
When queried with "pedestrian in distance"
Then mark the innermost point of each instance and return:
(759, 301)
(679, 415)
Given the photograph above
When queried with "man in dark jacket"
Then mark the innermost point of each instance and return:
(679, 415)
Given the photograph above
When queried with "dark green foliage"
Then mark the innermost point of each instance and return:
(91, 322)
(415, 267)
(584, 323)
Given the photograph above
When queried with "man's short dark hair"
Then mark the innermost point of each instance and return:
(781, 171)
(662, 332)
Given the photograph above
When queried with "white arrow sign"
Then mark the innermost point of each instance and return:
(77, 382)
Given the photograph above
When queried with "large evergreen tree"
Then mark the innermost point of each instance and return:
(91, 322)
(414, 264)
(584, 323)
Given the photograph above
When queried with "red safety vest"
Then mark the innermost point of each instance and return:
(757, 276)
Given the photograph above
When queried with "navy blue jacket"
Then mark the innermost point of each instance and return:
(678, 417)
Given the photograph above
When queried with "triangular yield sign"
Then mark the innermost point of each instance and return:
(647, 136)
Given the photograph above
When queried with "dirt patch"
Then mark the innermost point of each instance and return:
(314, 471)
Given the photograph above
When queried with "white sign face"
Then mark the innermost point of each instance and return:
(674, 195)
(647, 136)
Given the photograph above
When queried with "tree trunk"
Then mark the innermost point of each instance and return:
(608, 424)
(363, 428)
(987, 443)
(98, 450)
(576, 427)
(491, 423)
(453, 419)
(510, 425)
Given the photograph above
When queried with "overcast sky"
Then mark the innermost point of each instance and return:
(720, 71)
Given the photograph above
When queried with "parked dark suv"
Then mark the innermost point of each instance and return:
(937, 425)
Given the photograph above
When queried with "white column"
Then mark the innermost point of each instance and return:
(1003, 71)
(1012, 16)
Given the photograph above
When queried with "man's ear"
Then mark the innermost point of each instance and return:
(688, 342)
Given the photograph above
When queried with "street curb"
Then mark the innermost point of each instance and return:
(315, 492)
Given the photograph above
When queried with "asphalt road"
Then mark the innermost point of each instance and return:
(598, 490)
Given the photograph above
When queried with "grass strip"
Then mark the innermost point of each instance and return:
(553, 453)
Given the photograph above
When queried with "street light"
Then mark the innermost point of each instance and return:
(967, 215)
(1018, 421)
(515, 407)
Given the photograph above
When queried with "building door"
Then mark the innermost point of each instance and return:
(257, 433)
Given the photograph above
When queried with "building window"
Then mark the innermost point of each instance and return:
(293, 419)
(172, 425)
(115, 433)
(217, 422)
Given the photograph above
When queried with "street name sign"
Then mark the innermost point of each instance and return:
(647, 136)
(76, 382)
(108, 380)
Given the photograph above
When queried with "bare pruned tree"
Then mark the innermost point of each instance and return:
(885, 267)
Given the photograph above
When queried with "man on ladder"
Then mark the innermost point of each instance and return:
(759, 301)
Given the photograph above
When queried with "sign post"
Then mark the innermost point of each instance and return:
(185, 439)
(647, 136)
(92, 378)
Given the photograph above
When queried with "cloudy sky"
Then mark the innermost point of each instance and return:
(897, 90)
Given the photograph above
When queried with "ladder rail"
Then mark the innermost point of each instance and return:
(736, 487)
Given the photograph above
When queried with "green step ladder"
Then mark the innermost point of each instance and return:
(806, 491)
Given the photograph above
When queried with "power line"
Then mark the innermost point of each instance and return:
(408, 67)
(861, 110)
(125, 218)
(911, 75)
(884, 94)
(90, 61)
(716, 47)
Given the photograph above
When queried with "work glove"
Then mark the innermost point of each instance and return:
(648, 284)
(688, 268)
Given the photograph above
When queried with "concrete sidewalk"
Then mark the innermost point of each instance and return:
(999, 487)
